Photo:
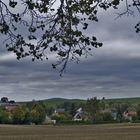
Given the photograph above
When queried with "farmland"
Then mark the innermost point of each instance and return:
(73, 132)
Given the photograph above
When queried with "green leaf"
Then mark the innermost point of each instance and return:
(12, 3)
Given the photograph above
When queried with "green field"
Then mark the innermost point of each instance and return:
(132, 101)
(73, 132)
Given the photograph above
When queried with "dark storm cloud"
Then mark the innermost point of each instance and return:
(112, 71)
(108, 77)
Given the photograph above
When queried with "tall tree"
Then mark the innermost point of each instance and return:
(92, 107)
(4, 116)
(38, 114)
(4, 100)
(18, 115)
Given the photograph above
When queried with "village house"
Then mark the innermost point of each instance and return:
(112, 112)
(48, 120)
(8, 105)
(129, 114)
(80, 115)
(59, 110)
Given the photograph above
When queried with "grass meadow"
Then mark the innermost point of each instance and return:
(72, 132)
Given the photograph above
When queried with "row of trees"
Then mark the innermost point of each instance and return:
(58, 30)
(23, 115)
(95, 110)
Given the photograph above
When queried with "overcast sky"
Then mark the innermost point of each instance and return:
(112, 72)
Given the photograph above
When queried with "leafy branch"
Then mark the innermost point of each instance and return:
(41, 28)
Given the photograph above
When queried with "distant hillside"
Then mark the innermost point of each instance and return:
(133, 101)
(54, 102)
(58, 101)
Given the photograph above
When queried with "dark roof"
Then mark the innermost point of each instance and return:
(59, 110)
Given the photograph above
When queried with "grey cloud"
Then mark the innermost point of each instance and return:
(109, 78)
(112, 71)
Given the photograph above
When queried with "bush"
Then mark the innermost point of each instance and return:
(72, 122)
(106, 122)
(38, 114)
(5, 117)
(61, 116)
(18, 115)
(107, 116)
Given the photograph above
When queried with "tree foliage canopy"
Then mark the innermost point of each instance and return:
(37, 28)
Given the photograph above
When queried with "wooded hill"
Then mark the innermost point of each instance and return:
(54, 102)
